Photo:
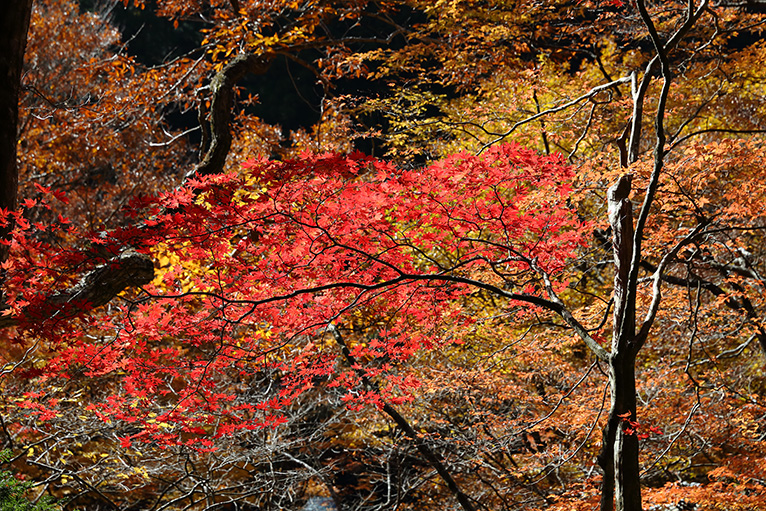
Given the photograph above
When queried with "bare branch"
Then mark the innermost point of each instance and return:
(562, 311)
(740, 304)
(714, 130)
(591, 93)
(585, 131)
(657, 285)
(688, 420)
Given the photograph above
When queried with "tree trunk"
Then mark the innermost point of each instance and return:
(606, 458)
(14, 24)
(627, 486)
(619, 452)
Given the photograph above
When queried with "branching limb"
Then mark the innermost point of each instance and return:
(683, 429)
(567, 316)
(588, 95)
(58, 472)
(657, 284)
(222, 101)
(714, 130)
(660, 136)
(585, 131)
(740, 304)
(639, 90)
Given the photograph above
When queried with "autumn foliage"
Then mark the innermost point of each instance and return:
(254, 267)
(509, 256)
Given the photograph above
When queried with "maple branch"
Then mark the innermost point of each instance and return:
(695, 115)
(655, 37)
(660, 136)
(694, 319)
(587, 435)
(659, 154)
(741, 304)
(568, 393)
(554, 304)
(80, 480)
(585, 131)
(714, 130)
(639, 91)
(425, 450)
(97, 288)
(694, 409)
(172, 138)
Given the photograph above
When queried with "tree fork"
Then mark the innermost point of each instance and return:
(95, 289)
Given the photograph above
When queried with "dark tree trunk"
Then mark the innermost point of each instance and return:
(627, 486)
(14, 24)
(619, 453)
(217, 136)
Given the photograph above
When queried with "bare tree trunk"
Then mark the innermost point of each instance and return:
(627, 486)
(14, 24)
(216, 149)
(606, 459)
(619, 453)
